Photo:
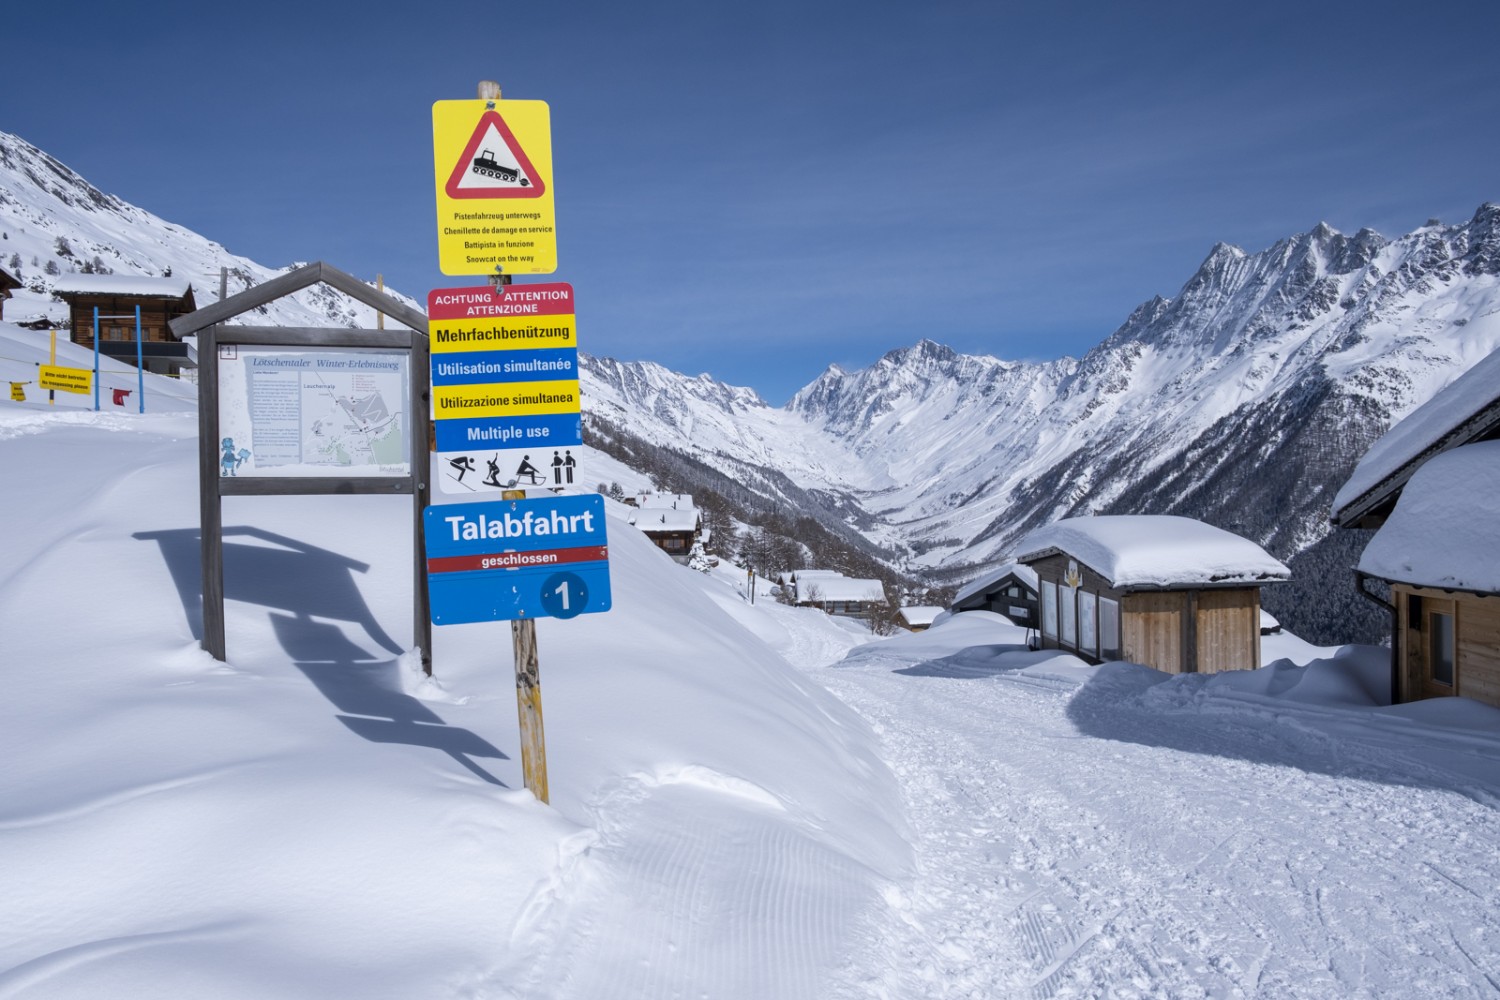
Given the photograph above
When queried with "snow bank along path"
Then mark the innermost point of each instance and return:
(1131, 838)
(314, 819)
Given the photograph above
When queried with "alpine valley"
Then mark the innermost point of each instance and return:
(1245, 400)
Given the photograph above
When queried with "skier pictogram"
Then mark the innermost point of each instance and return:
(493, 165)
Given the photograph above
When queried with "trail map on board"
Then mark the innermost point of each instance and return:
(309, 413)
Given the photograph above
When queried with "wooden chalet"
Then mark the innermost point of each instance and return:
(116, 296)
(833, 592)
(1431, 489)
(8, 284)
(674, 530)
(1009, 590)
(1168, 592)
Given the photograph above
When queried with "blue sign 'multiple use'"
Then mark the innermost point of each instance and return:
(546, 557)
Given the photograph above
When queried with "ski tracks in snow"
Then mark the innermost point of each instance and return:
(693, 885)
(1054, 863)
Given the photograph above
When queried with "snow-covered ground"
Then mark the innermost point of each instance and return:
(747, 801)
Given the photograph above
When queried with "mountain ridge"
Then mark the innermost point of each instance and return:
(1243, 400)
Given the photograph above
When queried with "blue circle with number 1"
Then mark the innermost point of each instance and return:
(564, 595)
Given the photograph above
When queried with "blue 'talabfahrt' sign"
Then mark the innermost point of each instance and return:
(537, 558)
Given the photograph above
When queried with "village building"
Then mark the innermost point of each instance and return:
(1431, 489)
(920, 618)
(1009, 590)
(1168, 592)
(116, 297)
(674, 530)
(833, 592)
(8, 284)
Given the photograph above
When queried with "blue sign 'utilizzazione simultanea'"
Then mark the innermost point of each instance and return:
(546, 557)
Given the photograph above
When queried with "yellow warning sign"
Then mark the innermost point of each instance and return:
(492, 163)
(18, 392)
(65, 379)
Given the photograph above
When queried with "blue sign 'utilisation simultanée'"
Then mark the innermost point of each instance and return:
(536, 558)
(484, 367)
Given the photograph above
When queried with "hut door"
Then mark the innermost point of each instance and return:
(1439, 650)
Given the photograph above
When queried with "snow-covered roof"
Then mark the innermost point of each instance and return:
(666, 519)
(1025, 574)
(922, 614)
(1155, 550)
(1445, 530)
(791, 576)
(838, 588)
(1441, 422)
(655, 500)
(122, 284)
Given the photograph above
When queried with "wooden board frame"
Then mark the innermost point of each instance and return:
(208, 324)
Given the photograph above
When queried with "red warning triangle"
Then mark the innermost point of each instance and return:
(494, 165)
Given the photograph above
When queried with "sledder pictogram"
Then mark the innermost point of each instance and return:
(494, 165)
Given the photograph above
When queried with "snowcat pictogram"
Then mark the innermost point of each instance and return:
(485, 165)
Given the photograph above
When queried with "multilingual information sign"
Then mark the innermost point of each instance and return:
(504, 369)
(516, 559)
(492, 161)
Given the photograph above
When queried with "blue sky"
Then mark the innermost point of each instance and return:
(760, 190)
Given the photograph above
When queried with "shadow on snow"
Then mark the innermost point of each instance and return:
(305, 581)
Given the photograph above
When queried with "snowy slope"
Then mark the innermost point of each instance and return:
(313, 819)
(964, 818)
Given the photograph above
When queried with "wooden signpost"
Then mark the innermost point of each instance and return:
(515, 558)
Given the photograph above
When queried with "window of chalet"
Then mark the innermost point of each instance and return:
(1069, 602)
(1049, 609)
(1109, 629)
(673, 543)
(1088, 633)
(1441, 653)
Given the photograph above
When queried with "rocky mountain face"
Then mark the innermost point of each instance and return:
(1245, 400)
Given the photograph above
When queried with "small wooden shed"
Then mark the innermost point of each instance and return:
(1009, 590)
(116, 296)
(1431, 488)
(1172, 593)
(8, 284)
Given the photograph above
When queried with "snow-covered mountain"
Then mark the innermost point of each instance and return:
(1244, 400)
(49, 215)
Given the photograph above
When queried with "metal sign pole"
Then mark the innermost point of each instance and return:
(96, 359)
(140, 361)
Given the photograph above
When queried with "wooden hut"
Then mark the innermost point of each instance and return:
(919, 617)
(1169, 592)
(674, 530)
(8, 284)
(1009, 590)
(1431, 488)
(116, 296)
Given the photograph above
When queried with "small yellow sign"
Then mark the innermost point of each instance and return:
(65, 379)
(492, 162)
(18, 392)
